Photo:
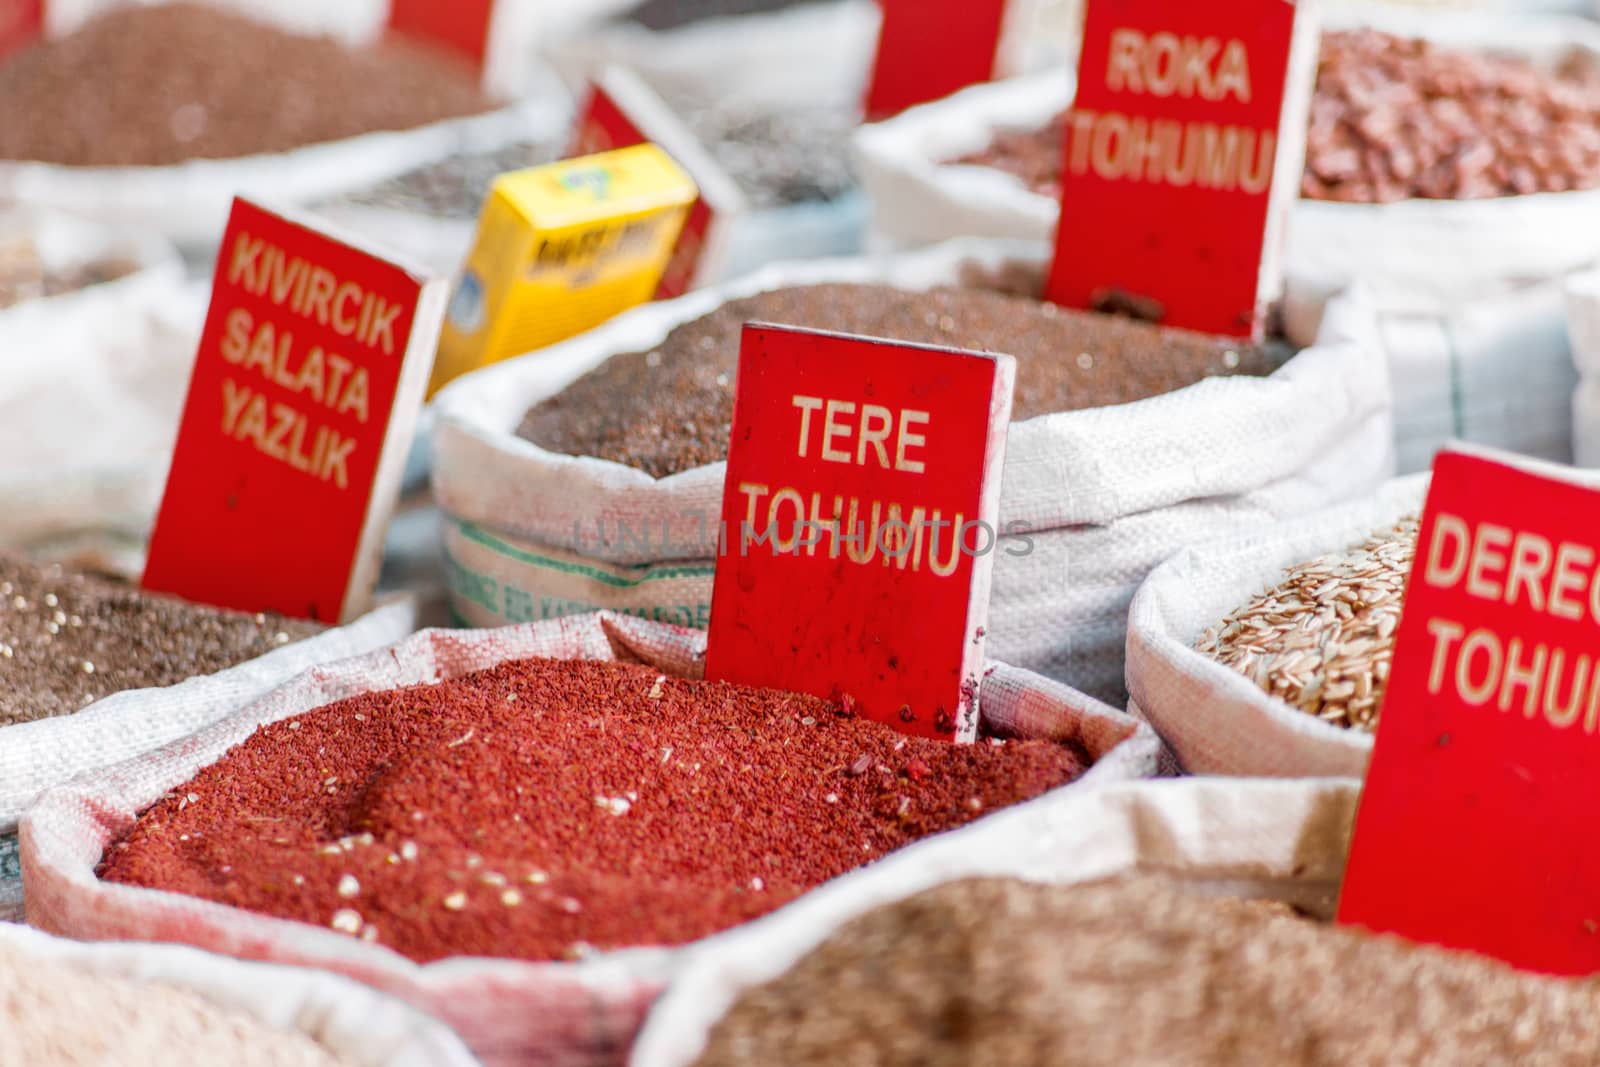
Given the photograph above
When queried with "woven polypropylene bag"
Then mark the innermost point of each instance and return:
(1103, 495)
(1468, 292)
(358, 1025)
(1215, 720)
(1271, 840)
(37, 755)
(510, 1012)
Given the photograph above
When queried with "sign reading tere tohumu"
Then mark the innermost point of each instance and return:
(860, 517)
(1483, 795)
(301, 408)
(1182, 159)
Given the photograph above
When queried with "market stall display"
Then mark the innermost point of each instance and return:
(1003, 641)
(477, 893)
(1093, 498)
(1468, 289)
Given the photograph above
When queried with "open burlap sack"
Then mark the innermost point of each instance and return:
(1215, 720)
(510, 1012)
(360, 1026)
(1101, 495)
(1272, 840)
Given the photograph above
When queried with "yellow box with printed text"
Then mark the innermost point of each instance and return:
(560, 249)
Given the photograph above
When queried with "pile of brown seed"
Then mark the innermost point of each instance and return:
(671, 409)
(1140, 971)
(67, 639)
(1323, 639)
(158, 85)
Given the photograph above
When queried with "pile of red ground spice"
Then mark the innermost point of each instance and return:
(547, 809)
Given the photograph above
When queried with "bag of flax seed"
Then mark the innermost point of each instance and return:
(1092, 499)
(1219, 720)
(510, 1012)
(1468, 291)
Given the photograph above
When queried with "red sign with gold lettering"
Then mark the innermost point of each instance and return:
(860, 524)
(1182, 159)
(1481, 797)
(301, 407)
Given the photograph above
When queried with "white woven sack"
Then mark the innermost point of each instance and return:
(358, 1025)
(37, 755)
(1583, 326)
(189, 202)
(1215, 720)
(1106, 494)
(91, 385)
(1469, 291)
(1269, 840)
(510, 1012)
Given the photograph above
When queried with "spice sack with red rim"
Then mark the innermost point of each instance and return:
(414, 817)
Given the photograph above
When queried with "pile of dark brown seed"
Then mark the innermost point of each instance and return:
(1009, 974)
(1396, 118)
(671, 409)
(159, 85)
(24, 276)
(68, 639)
(453, 188)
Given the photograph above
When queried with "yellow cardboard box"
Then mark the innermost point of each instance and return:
(560, 249)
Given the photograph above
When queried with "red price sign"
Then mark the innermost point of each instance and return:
(463, 27)
(928, 49)
(1182, 158)
(301, 407)
(622, 112)
(860, 511)
(21, 21)
(1481, 799)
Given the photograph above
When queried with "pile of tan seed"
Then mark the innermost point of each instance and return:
(1323, 639)
(55, 1015)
